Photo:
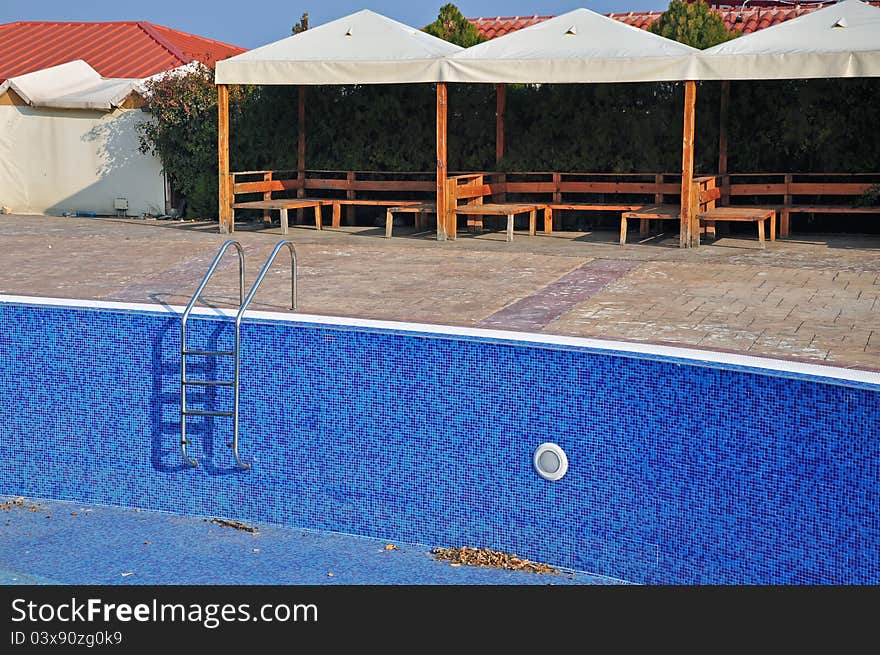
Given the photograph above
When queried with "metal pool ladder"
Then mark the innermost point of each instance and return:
(244, 302)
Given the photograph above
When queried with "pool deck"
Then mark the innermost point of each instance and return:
(814, 298)
(72, 543)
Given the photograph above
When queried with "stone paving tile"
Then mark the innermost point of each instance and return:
(814, 298)
(816, 316)
(549, 303)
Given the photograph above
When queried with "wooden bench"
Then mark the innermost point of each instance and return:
(508, 209)
(740, 214)
(800, 193)
(709, 217)
(650, 213)
(337, 205)
(467, 194)
(333, 188)
(590, 192)
(421, 211)
(549, 209)
(282, 206)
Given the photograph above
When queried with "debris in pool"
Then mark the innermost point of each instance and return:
(329, 574)
(492, 558)
(125, 575)
(73, 513)
(235, 525)
(147, 543)
(20, 503)
(390, 547)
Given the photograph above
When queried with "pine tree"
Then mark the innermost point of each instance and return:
(692, 23)
(452, 26)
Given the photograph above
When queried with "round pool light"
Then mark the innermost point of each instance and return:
(550, 461)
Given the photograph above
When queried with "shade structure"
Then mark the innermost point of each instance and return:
(580, 46)
(363, 48)
(74, 85)
(842, 40)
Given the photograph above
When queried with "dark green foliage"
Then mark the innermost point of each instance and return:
(452, 26)
(805, 126)
(870, 198)
(692, 23)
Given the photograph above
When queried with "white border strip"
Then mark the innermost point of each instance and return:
(627, 347)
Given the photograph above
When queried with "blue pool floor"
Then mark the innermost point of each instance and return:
(71, 543)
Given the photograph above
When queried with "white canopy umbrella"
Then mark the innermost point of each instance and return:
(582, 46)
(577, 47)
(74, 85)
(842, 40)
(363, 48)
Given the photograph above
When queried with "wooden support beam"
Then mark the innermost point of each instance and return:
(442, 205)
(349, 195)
(500, 108)
(500, 105)
(225, 186)
(785, 217)
(267, 195)
(687, 237)
(722, 141)
(301, 148)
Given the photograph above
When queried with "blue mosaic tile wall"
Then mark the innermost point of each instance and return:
(678, 473)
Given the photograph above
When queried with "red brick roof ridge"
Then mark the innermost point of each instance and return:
(162, 41)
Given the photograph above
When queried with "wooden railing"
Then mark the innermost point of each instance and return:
(799, 192)
(787, 192)
(349, 186)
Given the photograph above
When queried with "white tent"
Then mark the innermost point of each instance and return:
(363, 48)
(69, 144)
(577, 47)
(842, 40)
(74, 85)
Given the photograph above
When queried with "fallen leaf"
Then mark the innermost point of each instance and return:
(390, 547)
(486, 557)
(235, 525)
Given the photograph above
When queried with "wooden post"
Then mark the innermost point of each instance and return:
(687, 237)
(301, 148)
(785, 218)
(349, 194)
(267, 195)
(225, 209)
(500, 108)
(500, 104)
(442, 208)
(722, 142)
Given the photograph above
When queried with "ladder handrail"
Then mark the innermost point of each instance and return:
(195, 298)
(238, 318)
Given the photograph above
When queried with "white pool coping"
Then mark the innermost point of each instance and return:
(768, 364)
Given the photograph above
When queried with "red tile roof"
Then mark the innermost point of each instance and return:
(753, 18)
(124, 49)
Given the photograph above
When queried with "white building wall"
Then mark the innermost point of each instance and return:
(54, 161)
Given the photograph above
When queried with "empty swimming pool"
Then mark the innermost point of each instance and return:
(637, 462)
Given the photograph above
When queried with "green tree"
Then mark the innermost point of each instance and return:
(452, 26)
(692, 23)
(302, 25)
